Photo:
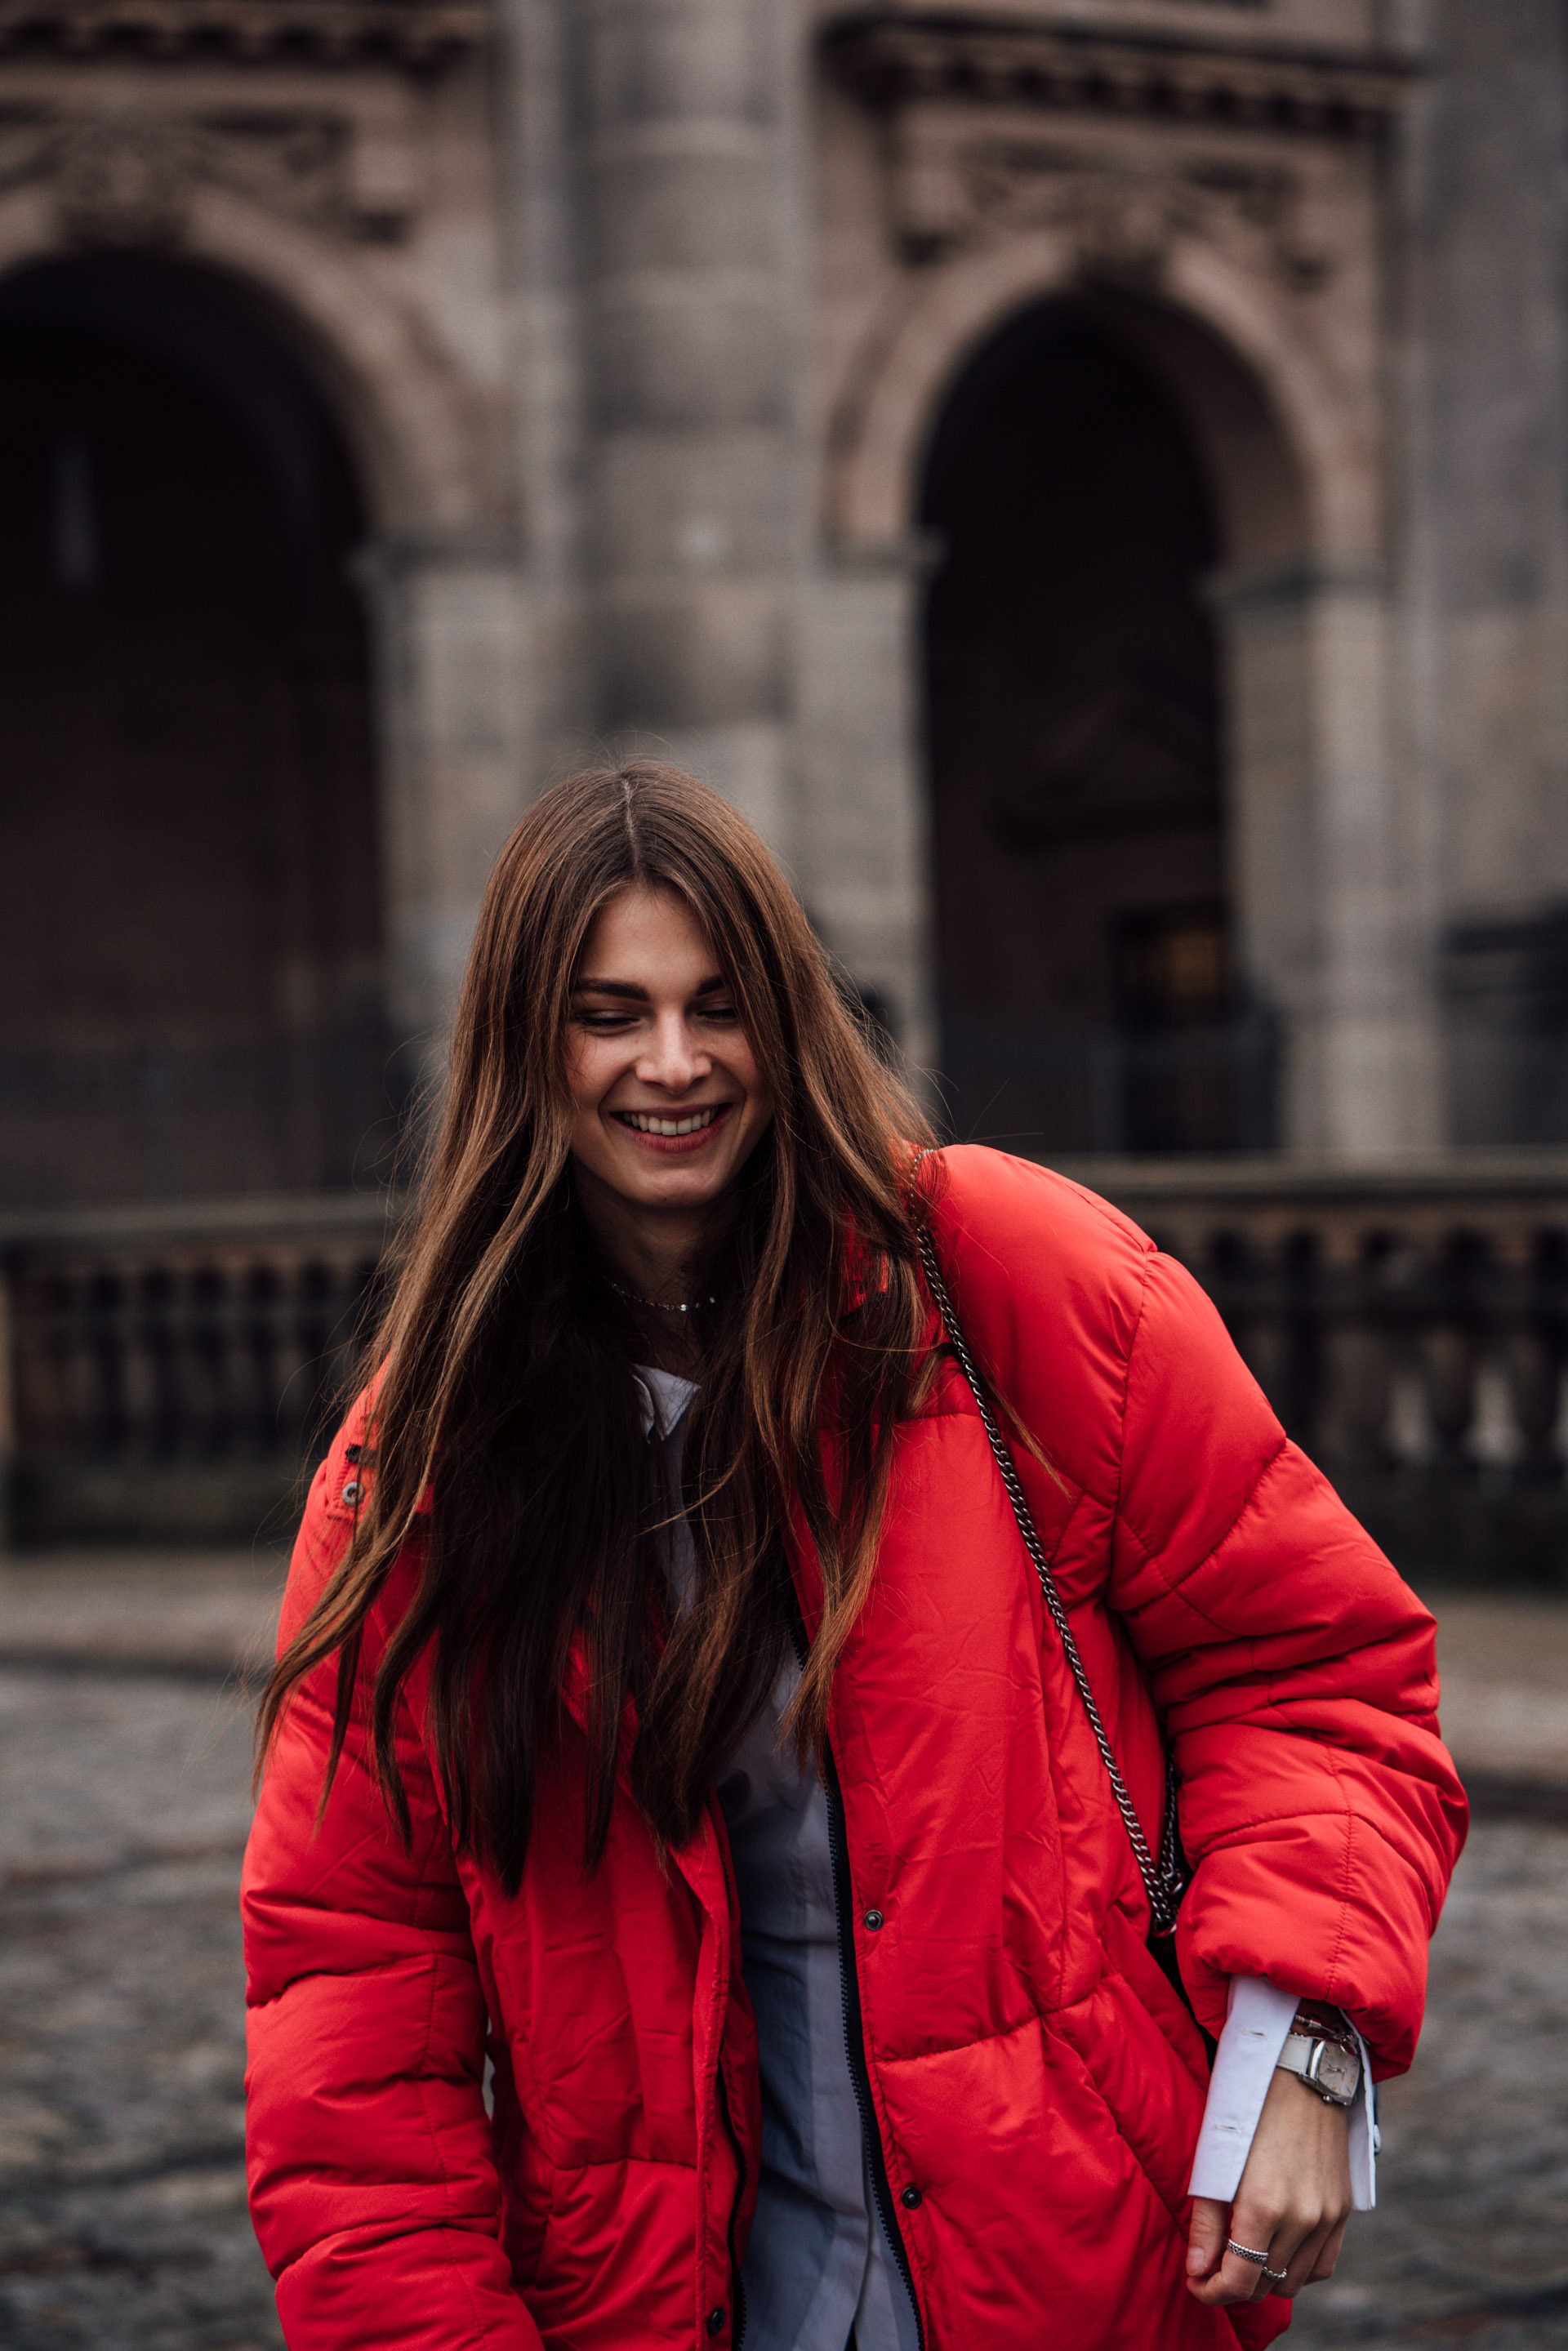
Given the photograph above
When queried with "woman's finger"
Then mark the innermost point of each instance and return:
(1269, 2226)
(1299, 2264)
(1328, 2254)
(1237, 2279)
(1246, 2280)
(1313, 2258)
(1205, 2237)
(1292, 2237)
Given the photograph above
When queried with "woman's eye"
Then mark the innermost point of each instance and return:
(718, 1012)
(603, 1023)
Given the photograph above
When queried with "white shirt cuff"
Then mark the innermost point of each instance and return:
(1257, 2022)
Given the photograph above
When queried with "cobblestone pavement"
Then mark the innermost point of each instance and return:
(124, 1762)
(123, 1765)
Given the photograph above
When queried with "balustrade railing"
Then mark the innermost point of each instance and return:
(1409, 1324)
(168, 1371)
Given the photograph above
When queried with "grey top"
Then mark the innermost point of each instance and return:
(818, 2262)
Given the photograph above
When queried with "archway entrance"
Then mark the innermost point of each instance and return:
(1088, 974)
(190, 954)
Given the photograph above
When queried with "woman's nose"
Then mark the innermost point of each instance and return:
(674, 1059)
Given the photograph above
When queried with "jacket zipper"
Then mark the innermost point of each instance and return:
(849, 1986)
(736, 2285)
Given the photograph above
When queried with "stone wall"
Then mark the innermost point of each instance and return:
(1484, 558)
(639, 319)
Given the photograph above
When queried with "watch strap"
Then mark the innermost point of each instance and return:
(1334, 2073)
(1322, 2022)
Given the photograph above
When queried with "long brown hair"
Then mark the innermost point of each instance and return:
(503, 1386)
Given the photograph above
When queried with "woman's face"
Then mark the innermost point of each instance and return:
(667, 1099)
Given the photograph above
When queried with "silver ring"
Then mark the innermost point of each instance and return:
(1276, 2277)
(1247, 2254)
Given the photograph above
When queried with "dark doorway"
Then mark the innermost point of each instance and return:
(1087, 985)
(190, 952)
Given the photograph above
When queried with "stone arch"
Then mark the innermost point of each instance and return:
(439, 572)
(408, 421)
(1287, 422)
(1075, 757)
(192, 982)
(1292, 451)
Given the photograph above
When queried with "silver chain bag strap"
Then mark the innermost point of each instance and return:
(1165, 1880)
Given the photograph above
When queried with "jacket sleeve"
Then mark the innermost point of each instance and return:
(1296, 1677)
(372, 2181)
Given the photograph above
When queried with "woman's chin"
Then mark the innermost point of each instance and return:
(676, 1188)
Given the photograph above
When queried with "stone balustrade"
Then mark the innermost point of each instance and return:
(170, 1370)
(1409, 1324)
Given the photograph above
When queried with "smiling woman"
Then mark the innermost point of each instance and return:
(668, 1709)
(638, 951)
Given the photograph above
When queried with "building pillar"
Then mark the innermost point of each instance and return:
(534, 55)
(455, 729)
(1326, 941)
(693, 355)
(863, 853)
(1483, 445)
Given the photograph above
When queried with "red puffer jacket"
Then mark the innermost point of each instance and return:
(1036, 2085)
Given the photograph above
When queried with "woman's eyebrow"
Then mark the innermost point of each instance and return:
(588, 986)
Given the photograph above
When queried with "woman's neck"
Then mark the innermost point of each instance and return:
(655, 1260)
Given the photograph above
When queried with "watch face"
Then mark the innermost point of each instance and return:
(1337, 2072)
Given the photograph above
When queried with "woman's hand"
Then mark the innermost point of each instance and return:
(1293, 2201)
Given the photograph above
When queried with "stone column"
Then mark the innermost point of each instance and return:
(1484, 551)
(454, 734)
(693, 363)
(534, 53)
(863, 856)
(1317, 876)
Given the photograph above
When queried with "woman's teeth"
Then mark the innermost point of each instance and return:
(646, 1123)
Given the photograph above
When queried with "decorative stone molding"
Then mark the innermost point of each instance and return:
(121, 181)
(1124, 215)
(419, 36)
(893, 60)
(124, 177)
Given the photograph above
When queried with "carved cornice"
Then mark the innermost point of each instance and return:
(892, 60)
(421, 36)
(1124, 220)
(130, 178)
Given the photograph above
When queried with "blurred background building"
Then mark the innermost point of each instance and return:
(1090, 480)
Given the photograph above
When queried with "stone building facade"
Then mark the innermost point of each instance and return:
(1087, 478)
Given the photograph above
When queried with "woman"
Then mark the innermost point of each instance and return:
(669, 1482)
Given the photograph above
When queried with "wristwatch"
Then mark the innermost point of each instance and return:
(1323, 2049)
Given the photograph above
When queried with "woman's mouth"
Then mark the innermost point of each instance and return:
(664, 1129)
